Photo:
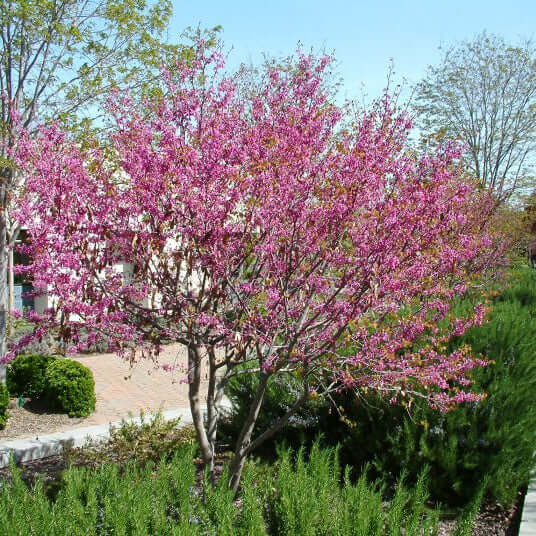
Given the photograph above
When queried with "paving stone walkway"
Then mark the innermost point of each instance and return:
(121, 389)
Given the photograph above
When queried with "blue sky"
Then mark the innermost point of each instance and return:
(363, 35)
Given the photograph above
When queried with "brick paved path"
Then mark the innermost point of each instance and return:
(146, 387)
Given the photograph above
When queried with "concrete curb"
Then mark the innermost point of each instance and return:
(528, 514)
(25, 450)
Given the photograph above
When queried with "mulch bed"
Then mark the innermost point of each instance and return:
(48, 469)
(33, 420)
(493, 520)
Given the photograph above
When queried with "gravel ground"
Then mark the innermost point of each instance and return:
(33, 420)
(491, 521)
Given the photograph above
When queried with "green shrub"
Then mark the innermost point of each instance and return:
(143, 439)
(4, 404)
(63, 383)
(70, 387)
(133, 500)
(297, 496)
(26, 375)
(281, 393)
(307, 495)
(493, 438)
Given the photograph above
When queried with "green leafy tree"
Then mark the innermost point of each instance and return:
(483, 92)
(58, 57)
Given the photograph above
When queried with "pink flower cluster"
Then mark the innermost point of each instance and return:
(272, 222)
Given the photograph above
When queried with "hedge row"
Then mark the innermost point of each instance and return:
(298, 495)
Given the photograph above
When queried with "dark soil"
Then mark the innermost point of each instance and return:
(34, 419)
(492, 520)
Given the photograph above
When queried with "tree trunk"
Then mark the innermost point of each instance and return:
(5, 177)
(214, 398)
(194, 384)
(3, 301)
(11, 288)
(239, 458)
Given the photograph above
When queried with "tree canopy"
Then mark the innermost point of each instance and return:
(60, 60)
(58, 57)
(483, 93)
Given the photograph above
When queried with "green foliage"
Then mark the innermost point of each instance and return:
(26, 375)
(4, 404)
(309, 497)
(252, 519)
(281, 393)
(62, 383)
(464, 525)
(70, 387)
(522, 291)
(137, 500)
(75, 51)
(494, 437)
(298, 496)
(142, 439)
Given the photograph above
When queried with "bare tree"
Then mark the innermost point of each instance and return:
(484, 93)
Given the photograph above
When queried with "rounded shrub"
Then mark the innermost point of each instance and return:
(71, 387)
(26, 375)
(4, 404)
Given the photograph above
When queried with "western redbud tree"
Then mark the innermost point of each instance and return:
(267, 231)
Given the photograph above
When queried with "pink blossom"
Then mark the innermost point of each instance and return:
(277, 227)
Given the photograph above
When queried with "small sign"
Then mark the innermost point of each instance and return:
(17, 298)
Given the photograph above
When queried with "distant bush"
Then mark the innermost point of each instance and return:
(4, 404)
(26, 375)
(22, 327)
(70, 387)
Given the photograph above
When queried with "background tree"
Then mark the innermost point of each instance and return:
(483, 93)
(528, 244)
(58, 60)
(530, 209)
(267, 232)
